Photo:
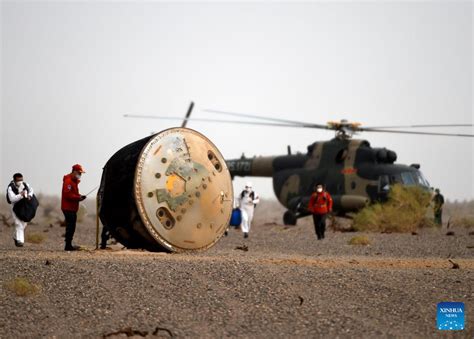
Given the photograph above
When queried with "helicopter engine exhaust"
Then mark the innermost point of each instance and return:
(171, 191)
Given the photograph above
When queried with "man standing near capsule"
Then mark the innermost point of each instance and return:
(248, 200)
(70, 199)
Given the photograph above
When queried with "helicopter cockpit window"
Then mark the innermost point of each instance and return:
(420, 179)
(408, 179)
(414, 178)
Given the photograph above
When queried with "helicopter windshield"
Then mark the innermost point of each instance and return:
(414, 179)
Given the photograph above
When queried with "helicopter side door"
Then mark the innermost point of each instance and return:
(384, 186)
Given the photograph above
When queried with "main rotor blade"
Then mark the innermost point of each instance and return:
(243, 115)
(216, 120)
(419, 133)
(300, 125)
(419, 126)
(188, 114)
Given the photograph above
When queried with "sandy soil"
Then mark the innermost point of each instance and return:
(286, 284)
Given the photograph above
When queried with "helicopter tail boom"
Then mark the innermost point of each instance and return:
(251, 167)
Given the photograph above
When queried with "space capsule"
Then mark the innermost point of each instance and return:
(171, 191)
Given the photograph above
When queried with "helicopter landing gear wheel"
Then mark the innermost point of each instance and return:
(289, 218)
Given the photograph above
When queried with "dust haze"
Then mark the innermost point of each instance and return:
(69, 71)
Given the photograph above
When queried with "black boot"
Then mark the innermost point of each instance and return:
(246, 235)
(70, 247)
(18, 243)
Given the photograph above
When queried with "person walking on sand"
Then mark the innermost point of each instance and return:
(70, 199)
(18, 190)
(320, 204)
(248, 200)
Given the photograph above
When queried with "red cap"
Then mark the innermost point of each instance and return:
(78, 168)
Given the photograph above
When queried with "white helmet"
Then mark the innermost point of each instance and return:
(248, 185)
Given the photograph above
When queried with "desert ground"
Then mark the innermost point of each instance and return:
(281, 282)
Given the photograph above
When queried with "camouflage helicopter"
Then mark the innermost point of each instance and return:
(353, 172)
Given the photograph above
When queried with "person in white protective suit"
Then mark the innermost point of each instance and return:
(248, 200)
(16, 191)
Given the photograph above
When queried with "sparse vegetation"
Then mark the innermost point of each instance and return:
(466, 222)
(359, 240)
(22, 287)
(35, 238)
(405, 211)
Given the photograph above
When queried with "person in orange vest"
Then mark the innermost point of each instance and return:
(70, 199)
(320, 205)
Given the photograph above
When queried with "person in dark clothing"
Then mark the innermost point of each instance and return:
(320, 204)
(105, 236)
(438, 201)
(71, 219)
(70, 199)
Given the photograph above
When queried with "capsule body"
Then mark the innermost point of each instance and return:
(168, 192)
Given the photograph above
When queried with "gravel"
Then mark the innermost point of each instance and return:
(287, 284)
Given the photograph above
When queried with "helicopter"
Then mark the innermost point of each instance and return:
(352, 171)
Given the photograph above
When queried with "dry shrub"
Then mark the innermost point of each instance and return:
(359, 240)
(405, 211)
(467, 222)
(35, 238)
(22, 287)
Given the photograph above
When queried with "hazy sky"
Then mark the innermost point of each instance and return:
(69, 71)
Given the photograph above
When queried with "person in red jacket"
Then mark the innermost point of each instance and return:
(320, 205)
(70, 199)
